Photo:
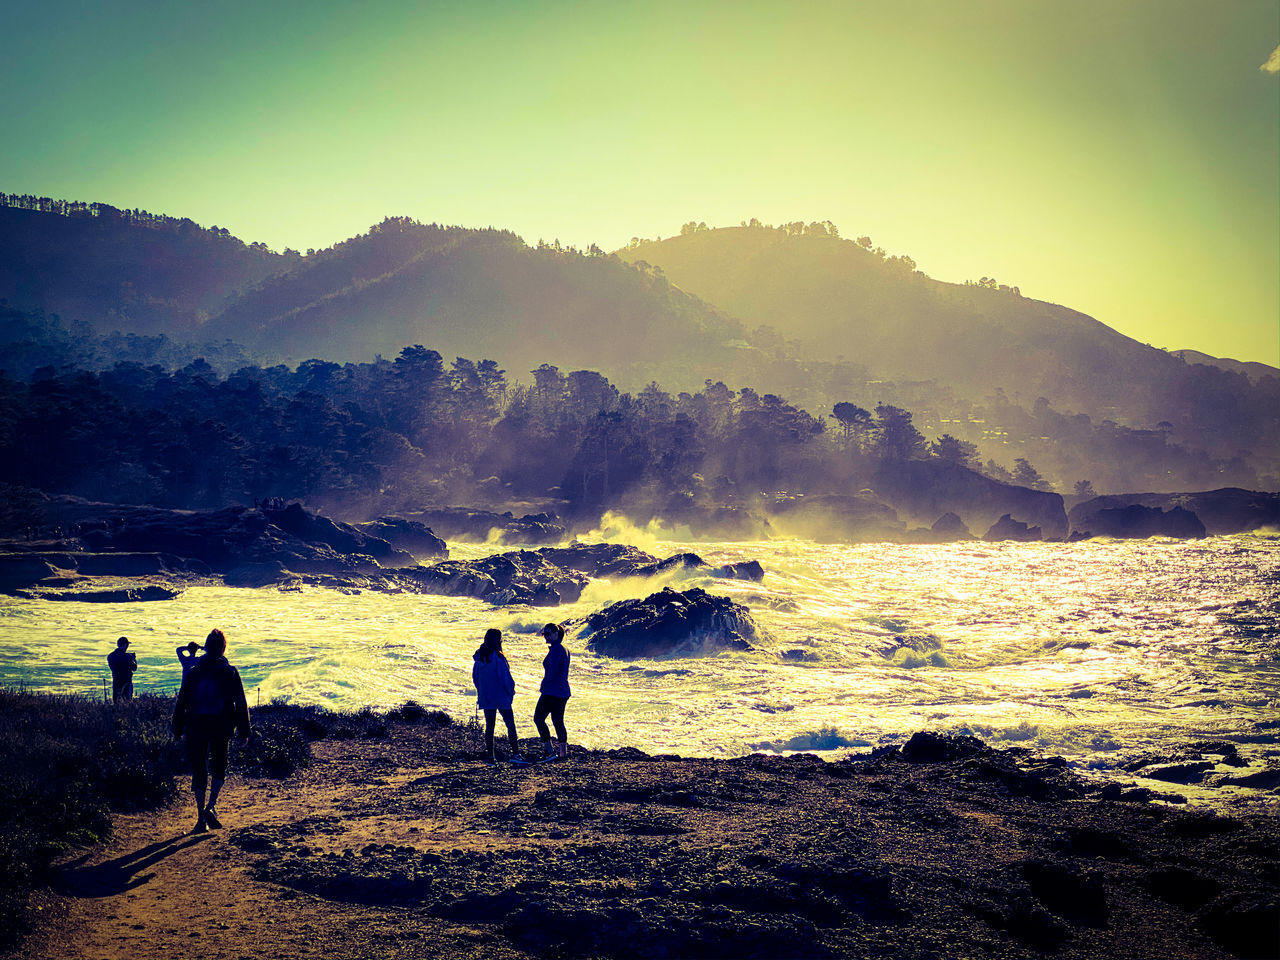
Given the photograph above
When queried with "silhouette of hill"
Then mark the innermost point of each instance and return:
(838, 297)
(1250, 368)
(122, 269)
(482, 293)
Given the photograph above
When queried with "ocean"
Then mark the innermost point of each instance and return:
(1097, 650)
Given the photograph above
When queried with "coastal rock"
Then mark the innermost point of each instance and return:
(670, 622)
(411, 536)
(1136, 520)
(1006, 528)
(461, 523)
(744, 570)
(22, 570)
(926, 489)
(927, 747)
(600, 559)
(341, 537)
(148, 593)
(1223, 511)
(949, 526)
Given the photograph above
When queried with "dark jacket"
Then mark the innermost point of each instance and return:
(122, 664)
(212, 692)
(494, 686)
(555, 671)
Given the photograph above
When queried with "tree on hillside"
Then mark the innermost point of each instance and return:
(1025, 475)
(1084, 489)
(854, 422)
(896, 436)
(960, 452)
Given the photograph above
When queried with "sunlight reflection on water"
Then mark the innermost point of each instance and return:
(1080, 648)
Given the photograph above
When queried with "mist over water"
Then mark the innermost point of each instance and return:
(1092, 650)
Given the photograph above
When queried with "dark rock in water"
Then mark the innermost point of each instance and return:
(461, 523)
(1192, 772)
(1078, 535)
(412, 536)
(926, 489)
(127, 595)
(1223, 511)
(1006, 528)
(342, 537)
(1136, 520)
(19, 570)
(951, 527)
(600, 559)
(520, 576)
(926, 747)
(670, 622)
(121, 564)
(744, 570)
(224, 539)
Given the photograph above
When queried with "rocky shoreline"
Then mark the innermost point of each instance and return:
(407, 844)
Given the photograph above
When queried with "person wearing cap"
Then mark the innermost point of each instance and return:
(122, 664)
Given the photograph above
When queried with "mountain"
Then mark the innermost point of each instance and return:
(482, 293)
(835, 297)
(1250, 368)
(122, 269)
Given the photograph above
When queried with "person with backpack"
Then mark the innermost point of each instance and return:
(211, 707)
(554, 692)
(495, 690)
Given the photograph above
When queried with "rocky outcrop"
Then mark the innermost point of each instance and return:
(460, 523)
(1223, 511)
(521, 576)
(19, 570)
(411, 536)
(926, 489)
(122, 595)
(950, 527)
(1136, 520)
(1006, 528)
(670, 622)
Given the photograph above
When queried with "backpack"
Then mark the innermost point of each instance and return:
(209, 697)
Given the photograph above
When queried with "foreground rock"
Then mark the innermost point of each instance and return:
(407, 845)
(1007, 528)
(670, 622)
(1224, 511)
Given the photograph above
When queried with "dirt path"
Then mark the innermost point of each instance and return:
(409, 846)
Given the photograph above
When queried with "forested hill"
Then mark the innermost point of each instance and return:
(126, 270)
(844, 297)
(483, 293)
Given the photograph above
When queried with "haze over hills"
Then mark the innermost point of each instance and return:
(793, 310)
(837, 296)
(482, 293)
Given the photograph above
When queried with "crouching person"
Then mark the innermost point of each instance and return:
(211, 707)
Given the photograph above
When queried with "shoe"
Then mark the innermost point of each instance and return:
(491, 760)
(201, 826)
(562, 750)
(548, 750)
(211, 819)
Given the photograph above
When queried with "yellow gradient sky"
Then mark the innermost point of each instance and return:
(1118, 157)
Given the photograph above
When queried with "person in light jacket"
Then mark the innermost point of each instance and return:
(554, 692)
(494, 691)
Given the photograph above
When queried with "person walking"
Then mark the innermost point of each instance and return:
(187, 656)
(495, 690)
(211, 707)
(122, 664)
(554, 692)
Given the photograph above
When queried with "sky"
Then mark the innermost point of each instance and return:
(1116, 156)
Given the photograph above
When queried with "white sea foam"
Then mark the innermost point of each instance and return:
(1083, 649)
